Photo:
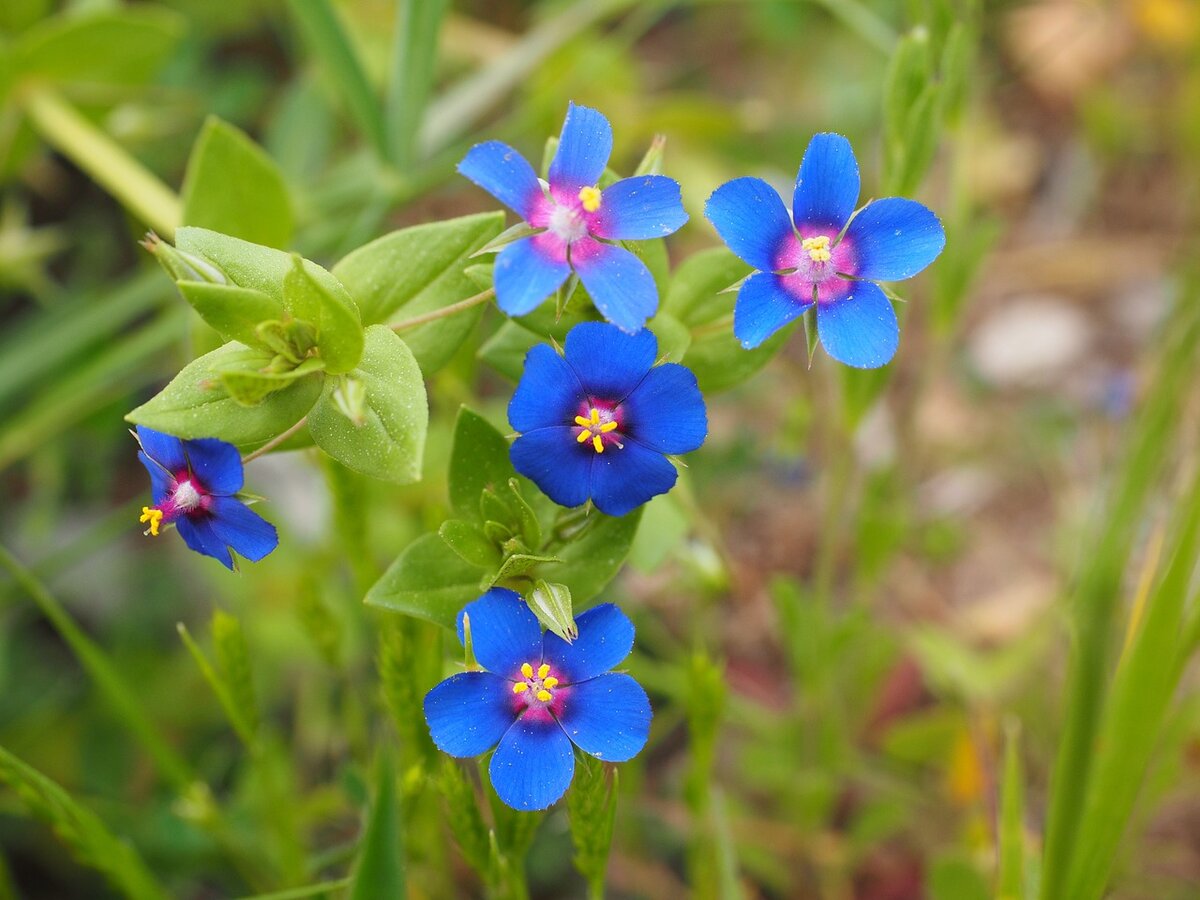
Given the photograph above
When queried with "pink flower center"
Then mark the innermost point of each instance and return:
(814, 263)
(598, 424)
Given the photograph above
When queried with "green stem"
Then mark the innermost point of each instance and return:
(137, 188)
(101, 671)
(275, 441)
(444, 312)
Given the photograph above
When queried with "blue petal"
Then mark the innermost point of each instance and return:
(637, 209)
(608, 717)
(583, 149)
(164, 449)
(469, 713)
(894, 239)
(624, 479)
(666, 411)
(505, 174)
(161, 481)
(551, 459)
(533, 765)
(527, 272)
(861, 329)
(216, 464)
(605, 639)
(238, 526)
(751, 218)
(763, 307)
(548, 394)
(619, 283)
(609, 362)
(198, 534)
(504, 632)
(827, 185)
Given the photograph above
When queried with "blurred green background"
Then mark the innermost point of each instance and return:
(858, 603)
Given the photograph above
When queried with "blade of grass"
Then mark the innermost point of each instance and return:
(463, 105)
(1141, 694)
(380, 868)
(136, 188)
(1098, 586)
(327, 38)
(1011, 877)
(103, 674)
(418, 23)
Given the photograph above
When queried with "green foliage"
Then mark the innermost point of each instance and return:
(232, 186)
(380, 868)
(592, 805)
(428, 580)
(415, 271)
(382, 433)
(88, 839)
(1010, 879)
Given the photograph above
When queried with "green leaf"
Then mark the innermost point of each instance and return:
(250, 386)
(389, 442)
(518, 564)
(674, 338)
(379, 871)
(478, 460)
(592, 806)
(1011, 840)
(233, 661)
(505, 350)
(551, 603)
(470, 543)
(195, 404)
(235, 312)
(232, 186)
(313, 295)
(698, 298)
(418, 270)
(80, 829)
(117, 47)
(244, 726)
(591, 560)
(428, 580)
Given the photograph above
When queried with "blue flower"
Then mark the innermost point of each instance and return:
(538, 696)
(813, 256)
(598, 422)
(193, 484)
(571, 212)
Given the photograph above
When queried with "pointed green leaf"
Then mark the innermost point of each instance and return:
(470, 543)
(379, 871)
(389, 442)
(551, 603)
(428, 580)
(232, 186)
(478, 460)
(235, 312)
(325, 303)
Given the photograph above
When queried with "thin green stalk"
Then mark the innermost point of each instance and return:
(415, 47)
(94, 661)
(328, 39)
(445, 311)
(309, 890)
(131, 183)
(1011, 833)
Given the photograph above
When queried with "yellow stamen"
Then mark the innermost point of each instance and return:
(520, 687)
(595, 416)
(550, 682)
(583, 436)
(817, 247)
(590, 198)
(598, 444)
(154, 517)
(544, 696)
(580, 420)
(543, 670)
(527, 670)
(607, 427)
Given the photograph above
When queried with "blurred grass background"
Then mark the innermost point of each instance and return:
(843, 615)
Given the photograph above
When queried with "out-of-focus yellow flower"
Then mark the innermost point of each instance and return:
(1171, 23)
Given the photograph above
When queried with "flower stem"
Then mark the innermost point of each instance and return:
(444, 312)
(275, 441)
(137, 188)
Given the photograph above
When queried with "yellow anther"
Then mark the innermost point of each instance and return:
(527, 670)
(607, 427)
(598, 444)
(543, 670)
(520, 687)
(590, 198)
(550, 682)
(580, 420)
(544, 696)
(817, 247)
(583, 436)
(154, 517)
(595, 416)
